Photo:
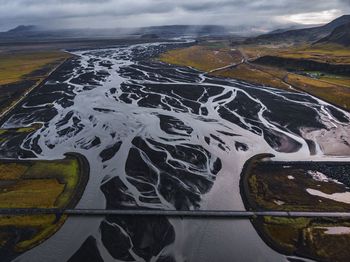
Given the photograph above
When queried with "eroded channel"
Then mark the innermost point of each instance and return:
(164, 137)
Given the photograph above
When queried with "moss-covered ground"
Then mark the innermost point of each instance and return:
(18, 66)
(36, 184)
(203, 57)
(20, 72)
(283, 188)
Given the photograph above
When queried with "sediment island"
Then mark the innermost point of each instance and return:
(32, 183)
(299, 186)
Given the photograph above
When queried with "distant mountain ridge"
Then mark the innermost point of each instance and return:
(340, 35)
(24, 32)
(22, 28)
(308, 35)
(291, 28)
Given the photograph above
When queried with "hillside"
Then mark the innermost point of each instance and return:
(22, 29)
(307, 35)
(340, 35)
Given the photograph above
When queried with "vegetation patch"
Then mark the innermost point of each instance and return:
(334, 54)
(22, 71)
(37, 184)
(18, 66)
(202, 57)
(281, 186)
(248, 73)
(326, 90)
(210, 55)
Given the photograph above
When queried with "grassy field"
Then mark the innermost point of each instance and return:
(202, 57)
(35, 184)
(15, 67)
(317, 243)
(321, 53)
(248, 73)
(22, 71)
(206, 57)
(284, 189)
(328, 91)
(32, 184)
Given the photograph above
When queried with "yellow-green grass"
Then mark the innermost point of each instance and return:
(43, 225)
(336, 94)
(333, 89)
(28, 129)
(285, 231)
(15, 67)
(66, 171)
(6, 134)
(266, 191)
(307, 237)
(12, 171)
(24, 70)
(216, 44)
(36, 184)
(270, 188)
(246, 72)
(252, 52)
(321, 53)
(206, 59)
(338, 80)
(201, 57)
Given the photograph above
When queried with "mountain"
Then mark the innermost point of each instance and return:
(24, 32)
(299, 36)
(290, 28)
(340, 35)
(22, 29)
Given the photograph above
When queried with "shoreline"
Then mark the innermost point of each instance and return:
(60, 220)
(258, 223)
(84, 177)
(4, 116)
(84, 173)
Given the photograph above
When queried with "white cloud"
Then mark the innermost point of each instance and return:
(312, 18)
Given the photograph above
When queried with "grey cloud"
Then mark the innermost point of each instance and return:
(112, 13)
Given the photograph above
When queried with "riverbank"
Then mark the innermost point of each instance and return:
(33, 183)
(291, 186)
(243, 63)
(37, 184)
(22, 73)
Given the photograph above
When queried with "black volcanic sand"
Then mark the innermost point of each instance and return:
(282, 108)
(13, 91)
(168, 169)
(281, 186)
(37, 106)
(173, 173)
(11, 139)
(144, 237)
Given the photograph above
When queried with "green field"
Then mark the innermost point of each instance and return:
(15, 67)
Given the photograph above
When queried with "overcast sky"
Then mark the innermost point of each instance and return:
(264, 14)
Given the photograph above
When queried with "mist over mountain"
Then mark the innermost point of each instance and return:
(306, 35)
(25, 32)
